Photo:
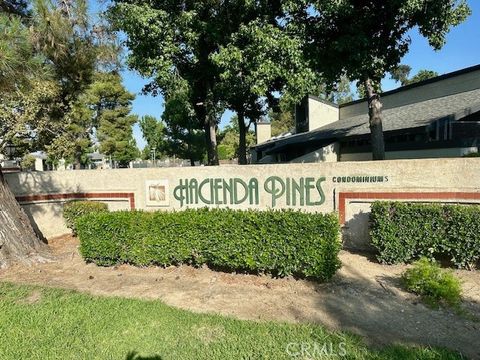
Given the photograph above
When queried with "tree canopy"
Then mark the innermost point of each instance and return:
(153, 132)
(261, 61)
(365, 40)
(46, 79)
(183, 138)
(402, 74)
(112, 104)
(229, 140)
(35, 105)
(218, 51)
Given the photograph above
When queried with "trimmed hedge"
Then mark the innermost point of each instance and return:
(280, 243)
(403, 232)
(74, 209)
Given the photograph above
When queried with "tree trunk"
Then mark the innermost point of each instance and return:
(18, 241)
(192, 162)
(242, 143)
(210, 129)
(375, 117)
(78, 158)
(211, 137)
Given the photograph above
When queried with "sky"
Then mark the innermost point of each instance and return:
(461, 50)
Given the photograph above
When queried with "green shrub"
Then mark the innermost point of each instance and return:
(28, 162)
(280, 243)
(404, 232)
(74, 209)
(472, 154)
(434, 285)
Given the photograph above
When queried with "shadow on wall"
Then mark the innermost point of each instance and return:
(324, 154)
(134, 356)
(29, 183)
(356, 232)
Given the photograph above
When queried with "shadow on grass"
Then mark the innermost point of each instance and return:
(379, 310)
(134, 356)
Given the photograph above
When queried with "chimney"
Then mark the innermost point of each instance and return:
(313, 113)
(264, 131)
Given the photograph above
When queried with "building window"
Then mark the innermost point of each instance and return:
(440, 130)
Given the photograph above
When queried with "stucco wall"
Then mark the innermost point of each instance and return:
(411, 154)
(326, 154)
(263, 132)
(321, 114)
(323, 187)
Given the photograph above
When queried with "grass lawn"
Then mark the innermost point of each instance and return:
(42, 323)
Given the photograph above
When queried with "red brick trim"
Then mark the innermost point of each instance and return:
(10, 169)
(77, 196)
(344, 196)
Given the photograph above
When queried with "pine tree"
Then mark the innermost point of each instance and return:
(112, 105)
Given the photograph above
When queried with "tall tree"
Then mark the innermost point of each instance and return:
(182, 136)
(20, 68)
(338, 93)
(153, 132)
(229, 140)
(74, 143)
(60, 39)
(365, 40)
(116, 138)
(18, 240)
(422, 75)
(18, 61)
(401, 74)
(65, 37)
(112, 105)
(174, 41)
(282, 118)
(262, 61)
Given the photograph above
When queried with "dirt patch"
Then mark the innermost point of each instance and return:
(34, 298)
(364, 297)
(209, 334)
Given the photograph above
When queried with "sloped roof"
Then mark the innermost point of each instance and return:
(96, 156)
(409, 116)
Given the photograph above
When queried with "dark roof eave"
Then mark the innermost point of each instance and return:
(321, 143)
(320, 134)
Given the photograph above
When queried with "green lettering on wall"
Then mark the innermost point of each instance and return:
(179, 192)
(236, 191)
(253, 192)
(288, 182)
(236, 184)
(275, 186)
(298, 188)
(320, 191)
(309, 186)
(228, 190)
(217, 186)
(200, 192)
(193, 192)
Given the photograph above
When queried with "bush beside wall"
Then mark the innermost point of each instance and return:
(74, 209)
(435, 285)
(280, 243)
(404, 232)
